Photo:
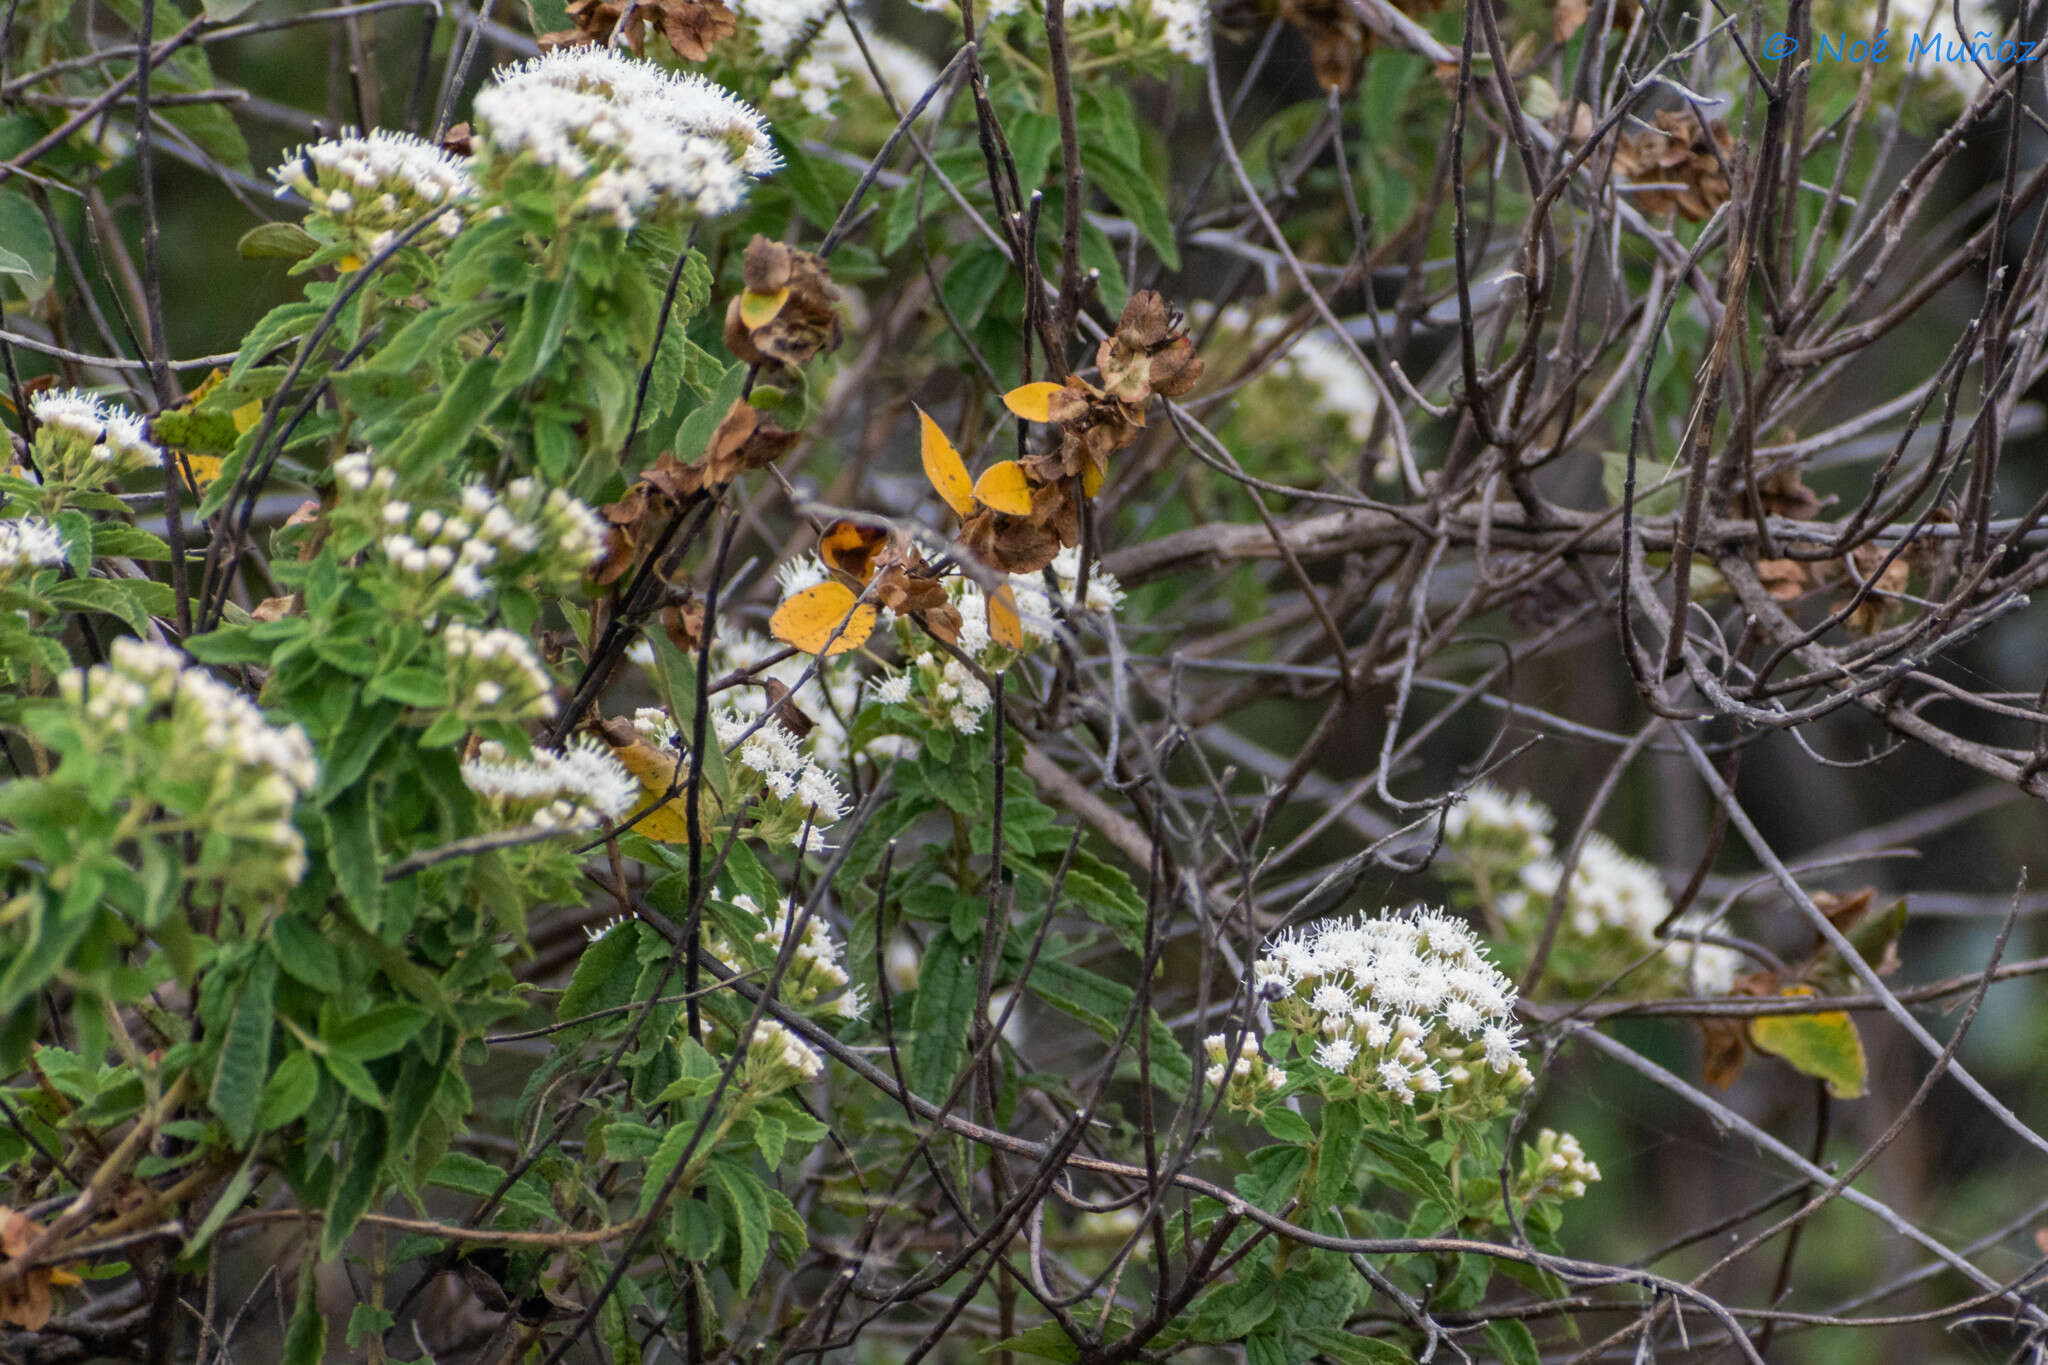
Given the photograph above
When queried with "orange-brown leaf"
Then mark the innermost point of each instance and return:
(823, 618)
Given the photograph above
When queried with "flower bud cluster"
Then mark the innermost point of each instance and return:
(496, 676)
(196, 746)
(816, 981)
(27, 545)
(84, 443)
(624, 138)
(373, 186)
(1247, 1079)
(1554, 1167)
(777, 1059)
(945, 689)
(1407, 1006)
(579, 787)
(463, 543)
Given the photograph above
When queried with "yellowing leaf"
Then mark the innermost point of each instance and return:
(205, 469)
(1005, 627)
(1092, 475)
(655, 769)
(1003, 486)
(1824, 1046)
(757, 310)
(809, 619)
(348, 264)
(944, 467)
(1030, 401)
(247, 416)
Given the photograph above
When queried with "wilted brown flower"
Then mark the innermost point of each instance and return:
(745, 439)
(1148, 353)
(27, 1301)
(1337, 39)
(692, 27)
(789, 310)
(1677, 156)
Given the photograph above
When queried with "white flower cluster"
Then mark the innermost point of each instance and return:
(801, 799)
(464, 544)
(27, 544)
(1555, 1166)
(1615, 895)
(633, 138)
(579, 787)
(952, 694)
(1407, 1005)
(829, 693)
(1246, 1078)
(1035, 608)
(495, 675)
(1501, 844)
(816, 981)
(173, 721)
(377, 184)
(84, 440)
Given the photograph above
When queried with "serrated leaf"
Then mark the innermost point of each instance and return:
(238, 1078)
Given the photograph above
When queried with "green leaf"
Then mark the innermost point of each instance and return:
(305, 1341)
(355, 1189)
(273, 241)
(746, 1200)
(1337, 1158)
(238, 1078)
(1288, 1126)
(376, 1032)
(290, 1092)
(1347, 1349)
(305, 955)
(603, 980)
(941, 1017)
(1273, 1175)
(420, 687)
(1130, 188)
(1047, 1341)
(1824, 1046)
(1514, 1341)
(352, 853)
(364, 1321)
(130, 599)
(1406, 1166)
(1102, 1005)
(32, 254)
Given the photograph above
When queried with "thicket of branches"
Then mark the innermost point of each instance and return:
(1335, 680)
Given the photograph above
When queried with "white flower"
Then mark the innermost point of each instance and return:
(894, 689)
(802, 571)
(30, 543)
(1337, 1054)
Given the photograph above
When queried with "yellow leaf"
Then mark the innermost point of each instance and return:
(757, 310)
(1003, 486)
(809, 619)
(656, 769)
(248, 415)
(944, 467)
(1005, 627)
(1824, 1046)
(348, 264)
(205, 469)
(1030, 401)
(1092, 475)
